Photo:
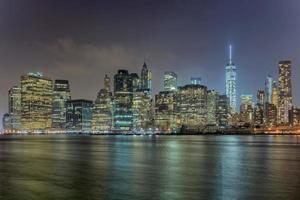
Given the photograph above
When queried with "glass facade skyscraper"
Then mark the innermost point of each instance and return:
(170, 81)
(14, 108)
(268, 89)
(231, 82)
(61, 94)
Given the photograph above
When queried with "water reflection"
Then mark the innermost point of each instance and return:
(121, 167)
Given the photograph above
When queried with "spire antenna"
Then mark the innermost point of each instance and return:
(230, 54)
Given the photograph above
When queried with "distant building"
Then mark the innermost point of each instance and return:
(196, 81)
(246, 109)
(268, 89)
(192, 106)
(102, 116)
(142, 110)
(285, 91)
(146, 78)
(212, 104)
(294, 116)
(223, 108)
(261, 97)
(170, 81)
(275, 95)
(231, 83)
(123, 96)
(61, 94)
(79, 115)
(258, 115)
(14, 108)
(6, 122)
(271, 114)
(165, 118)
(36, 102)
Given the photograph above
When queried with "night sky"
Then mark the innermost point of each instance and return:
(82, 40)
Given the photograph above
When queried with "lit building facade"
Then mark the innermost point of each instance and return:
(165, 118)
(146, 78)
(294, 116)
(14, 108)
(192, 106)
(275, 95)
(79, 115)
(123, 96)
(102, 116)
(196, 81)
(142, 110)
(231, 83)
(223, 108)
(170, 81)
(6, 122)
(212, 104)
(246, 109)
(271, 115)
(285, 91)
(61, 94)
(36, 102)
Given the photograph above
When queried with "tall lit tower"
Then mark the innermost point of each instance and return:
(285, 90)
(146, 78)
(231, 76)
(268, 89)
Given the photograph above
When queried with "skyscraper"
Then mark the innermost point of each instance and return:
(14, 108)
(61, 94)
(192, 106)
(79, 115)
(102, 116)
(165, 118)
(246, 109)
(285, 91)
(268, 89)
(170, 81)
(212, 103)
(123, 116)
(36, 102)
(231, 79)
(146, 78)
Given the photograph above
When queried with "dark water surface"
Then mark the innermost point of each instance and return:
(164, 167)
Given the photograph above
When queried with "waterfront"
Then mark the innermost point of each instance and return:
(150, 167)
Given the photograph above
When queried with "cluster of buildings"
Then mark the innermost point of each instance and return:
(41, 105)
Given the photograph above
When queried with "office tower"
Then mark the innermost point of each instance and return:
(268, 89)
(14, 108)
(285, 91)
(61, 94)
(246, 109)
(165, 118)
(107, 83)
(196, 81)
(79, 115)
(271, 114)
(142, 110)
(260, 97)
(146, 78)
(275, 95)
(6, 122)
(222, 111)
(123, 95)
(212, 103)
(170, 81)
(102, 116)
(294, 116)
(231, 80)
(258, 115)
(36, 102)
(136, 82)
(192, 106)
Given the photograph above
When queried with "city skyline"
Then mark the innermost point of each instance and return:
(88, 56)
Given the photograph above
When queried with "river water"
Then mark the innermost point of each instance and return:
(144, 167)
